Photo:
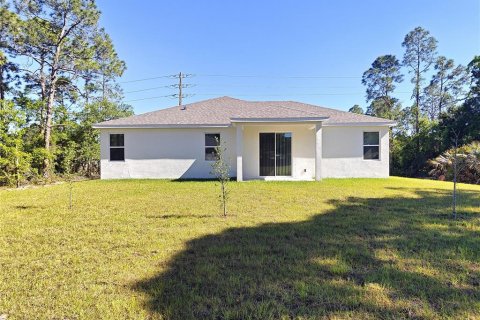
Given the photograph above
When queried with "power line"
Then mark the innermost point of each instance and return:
(150, 98)
(148, 89)
(180, 86)
(146, 79)
(240, 86)
(245, 76)
(281, 95)
(277, 76)
(274, 87)
(254, 95)
(161, 87)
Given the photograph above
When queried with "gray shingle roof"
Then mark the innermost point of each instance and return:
(225, 110)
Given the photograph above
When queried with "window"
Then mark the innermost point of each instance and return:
(371, 145)
(212, 141)
(117, 147)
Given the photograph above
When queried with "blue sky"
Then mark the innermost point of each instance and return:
(309, 51)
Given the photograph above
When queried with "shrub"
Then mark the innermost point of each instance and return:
(468, 162)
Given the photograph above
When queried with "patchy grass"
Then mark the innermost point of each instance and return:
(142, 249)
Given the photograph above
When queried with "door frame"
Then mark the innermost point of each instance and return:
(275, 145)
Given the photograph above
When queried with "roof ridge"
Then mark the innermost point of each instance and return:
(291, 108)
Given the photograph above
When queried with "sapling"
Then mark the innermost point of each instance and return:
(221, 170)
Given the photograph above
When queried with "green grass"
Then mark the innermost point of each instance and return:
(337, 249)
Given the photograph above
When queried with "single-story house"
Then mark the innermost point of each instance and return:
(270, 140)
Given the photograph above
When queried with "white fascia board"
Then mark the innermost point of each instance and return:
(158, 126)
(360, 124)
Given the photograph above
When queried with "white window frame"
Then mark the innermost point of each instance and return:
(371, 145)
(205, 144)
(116, 147)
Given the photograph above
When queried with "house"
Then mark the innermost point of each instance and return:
(271, 140)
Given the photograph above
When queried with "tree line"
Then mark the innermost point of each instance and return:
(444, 106)
(58, 76)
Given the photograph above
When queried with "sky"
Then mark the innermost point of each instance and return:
(308, 51)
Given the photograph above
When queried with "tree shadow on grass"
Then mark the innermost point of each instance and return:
(381, 258)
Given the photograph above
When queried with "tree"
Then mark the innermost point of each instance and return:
(88, 148)
(14, 161)
(221, 170)
(8, 76)
(8, 69)
(64, 43)
(458, 164)
(380, 80)
(465, 119)
(446, 88)
(420, 52)
(385, 108)
(474, 68)
(356, 109)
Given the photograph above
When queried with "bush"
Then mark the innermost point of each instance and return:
(468, 163)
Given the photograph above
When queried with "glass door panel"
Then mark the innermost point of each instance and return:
(267, 154)
(283, 154)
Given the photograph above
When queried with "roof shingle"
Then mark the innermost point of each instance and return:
(221, 111)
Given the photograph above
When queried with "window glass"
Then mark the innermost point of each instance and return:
(210, 153)
(117, 154)
(371, 138)
(371, 145)
(371, 153)
(116, 140)
(117, 149)
(212, 141)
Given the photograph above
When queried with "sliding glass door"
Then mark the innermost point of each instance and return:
(276, 154)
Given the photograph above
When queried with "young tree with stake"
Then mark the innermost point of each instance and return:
(221, 170)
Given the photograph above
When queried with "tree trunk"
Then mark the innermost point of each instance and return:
(51, 98)
(440, 102)
(43, 94)
(224, 200)
(417, 104)
(48, 129)
(2, 85)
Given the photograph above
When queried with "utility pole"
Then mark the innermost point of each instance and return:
(180, 89)
(180, 95)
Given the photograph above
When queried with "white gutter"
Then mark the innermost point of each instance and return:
(158, 126)
(359, 124)
(324, 121)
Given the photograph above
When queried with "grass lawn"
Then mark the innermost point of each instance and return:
(139, 249)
